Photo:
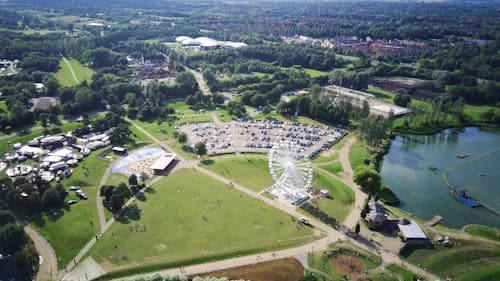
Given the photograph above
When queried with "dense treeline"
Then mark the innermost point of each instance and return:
(15, 242)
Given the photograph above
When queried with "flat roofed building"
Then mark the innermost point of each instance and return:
(161, 164)
(119, 150)
(410, 230)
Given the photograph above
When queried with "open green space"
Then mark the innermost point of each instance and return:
(483, 273)
(334, 168)
(78, 223)
(475, 111)
(386, 96)
(466, 258)
(188, 218)
(323, 262)
(359, 152)
(251, 171)
(342, 197)
(405, 274)
(324, 159)
(316, 73)
(483, 231)
(65, 77)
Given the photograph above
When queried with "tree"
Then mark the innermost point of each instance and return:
(266, 109)
(190, 100)
(182, 138)
(367, 178)
(132, 180)
(357, 228)
(217, 98)
(12, 238)
(200, 148)
(308, 278)
(236, 108)
(402, 100)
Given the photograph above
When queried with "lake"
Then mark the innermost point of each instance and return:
(424, 193)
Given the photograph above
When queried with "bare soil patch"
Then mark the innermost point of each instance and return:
(348, 264)
(278, 270)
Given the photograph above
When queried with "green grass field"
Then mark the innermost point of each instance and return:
(316, 73)
(3, 107)
(172, 229)
(403, 273)
(470, 257)
(70, 232)
(64, 74)
(359, 152)
(342, 196)
(324, 159)
(483, 231)
(334, 168)
(386, 96)
(474, 111)
(251, 170)
(317, 261)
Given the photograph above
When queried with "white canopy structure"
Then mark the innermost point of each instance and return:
(292, 172)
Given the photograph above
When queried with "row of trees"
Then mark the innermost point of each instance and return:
(15, 242)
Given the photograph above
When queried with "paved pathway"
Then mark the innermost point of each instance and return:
(202, 84)
(100, 205)
(48, 265)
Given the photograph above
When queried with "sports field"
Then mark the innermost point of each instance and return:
(251, 170)
(191, 218)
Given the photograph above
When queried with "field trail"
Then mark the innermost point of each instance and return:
(71, 70)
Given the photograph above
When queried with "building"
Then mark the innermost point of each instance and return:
(119, 150)
(416, 88)
(162, 163)
(409, 230)
(376, 216)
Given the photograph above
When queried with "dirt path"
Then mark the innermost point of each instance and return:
(71, 70)
(100, 206)
(202, 84)
(48, 266)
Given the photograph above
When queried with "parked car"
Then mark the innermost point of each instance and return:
(71, 202)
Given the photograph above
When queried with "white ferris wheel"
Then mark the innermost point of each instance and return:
(291, 170)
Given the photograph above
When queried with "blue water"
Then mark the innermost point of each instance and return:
(423, 193)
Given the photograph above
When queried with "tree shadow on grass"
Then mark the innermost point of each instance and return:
(38, 219)
(207, 162)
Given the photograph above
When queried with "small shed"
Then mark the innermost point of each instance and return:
(410, 230)
(119, 150)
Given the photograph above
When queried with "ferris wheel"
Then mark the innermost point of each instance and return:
(291, 170)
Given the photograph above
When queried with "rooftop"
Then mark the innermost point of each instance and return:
(412, 231)
(163, 162)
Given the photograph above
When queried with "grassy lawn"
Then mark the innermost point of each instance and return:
(172, 229)
(64, 74)
(483, 273)
(342, 196)
(386, 96)
(24, 138)
(316, 73)
(403, 273)
(334, 168)
(483, 231)
(466, 258)
(71, 231)
(251, 171)
(318, 261)
(359, 152)
(474, 111)
(3, 107)
(322, 159)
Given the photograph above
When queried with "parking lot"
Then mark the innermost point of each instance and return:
(259, 136)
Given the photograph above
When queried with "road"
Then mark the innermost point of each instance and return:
(71, 70)
(48, 267)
